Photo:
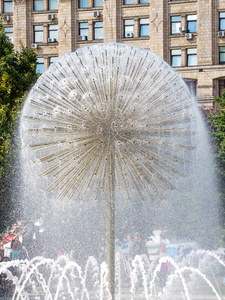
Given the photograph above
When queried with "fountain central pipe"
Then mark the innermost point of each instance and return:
(110, 238)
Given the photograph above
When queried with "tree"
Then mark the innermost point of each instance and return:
(217, 126)
(218, 134)
(17, 74)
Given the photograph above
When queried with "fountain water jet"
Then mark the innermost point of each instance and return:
(108, 122)
(48, 279)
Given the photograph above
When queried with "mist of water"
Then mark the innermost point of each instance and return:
(115, 109)
(119, 101)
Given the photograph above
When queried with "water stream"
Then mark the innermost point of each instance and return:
(114, 111)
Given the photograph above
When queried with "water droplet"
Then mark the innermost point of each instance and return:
(64, 81)
(73, 94)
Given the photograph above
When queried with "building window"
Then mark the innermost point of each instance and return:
(7, 6)
(40, 65)
(84, 29)
(144, 27)
(176, 58)
(192, 23)
(83, 3)
(222, 21)
(9, 33)
(127, 2)
(98, 3)
(38, 5)
(53, 4)
(192, 86)
(175, 24)
(128, 28)
(221, 86)
(143, 1)
(38, 34)
(222, 55)
(52, 60)
(53, 33)
(98, 30)
(192, 57)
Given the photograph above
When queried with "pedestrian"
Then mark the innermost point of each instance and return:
(127, 258)
(127, 247)
(6, 285)
(17, 251)
(139, 246)
(165, 269)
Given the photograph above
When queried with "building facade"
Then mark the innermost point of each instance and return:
(187, 34)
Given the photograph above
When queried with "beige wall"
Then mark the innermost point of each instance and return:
(113, 13)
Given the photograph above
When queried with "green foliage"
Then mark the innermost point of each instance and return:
(17, 74)
(218, 135)
(6, 47)
(217, 126)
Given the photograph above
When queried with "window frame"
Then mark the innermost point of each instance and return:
(49, 6)
(126, 26)
(94, 3)
(83, 6)
(36, 31)
(189, 55)
(175, 22)
(192, 86)
(84, 29)
(172, 56)
(42, 5)
(51, 31)
(52, 62)
(221, 19)
(131, 2)
(143, 26)
(9, 33)
(96, 28)
(40, 64)
(221, 84)
(190, 22)
(4, 6)
(221, 52)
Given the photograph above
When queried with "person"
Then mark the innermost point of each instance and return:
(165, 268)
(5, 259)
(6, 286)
(138, 245)
(127, 247)
(17, 251)
(7, 249)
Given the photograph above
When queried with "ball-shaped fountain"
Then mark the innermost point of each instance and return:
(115, 125)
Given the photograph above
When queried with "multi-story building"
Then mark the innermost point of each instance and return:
(187, 34)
